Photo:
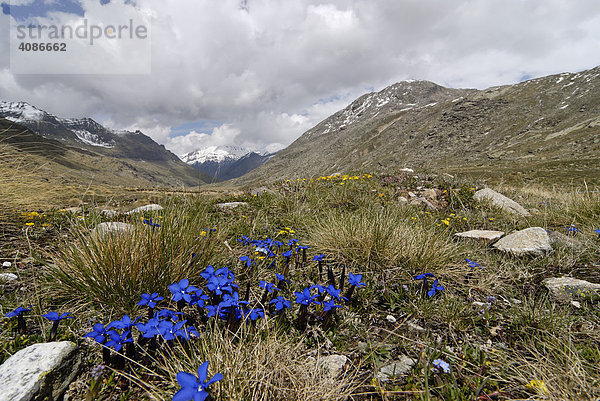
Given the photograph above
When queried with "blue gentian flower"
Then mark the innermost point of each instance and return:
(281, 303)
(328, 305)
(194, 388)
(355, 279)
(255, 313)
(117, 341)
(302, 248)
(248, 260)
(98, 333)
(208, 272)
(218, 284)
(288, 254)
(572, 230)
(318, 258)
(182, 290)
(150, 223)
(199, 298)
(442, 365)
(270, 287)
(281, 277)
(292, 242)
(334, 292)
(597, 231)
(434, 288)
(150, 300)
(423, 276)
(244, 240)
(54, 316)
(124, 324)
(472, 264)
(305, 298)
(168, 314)
(18, 311)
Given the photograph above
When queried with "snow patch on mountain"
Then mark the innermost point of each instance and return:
(92, 139)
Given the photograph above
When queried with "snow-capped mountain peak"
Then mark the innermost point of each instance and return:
(20, 111)
(215, 154)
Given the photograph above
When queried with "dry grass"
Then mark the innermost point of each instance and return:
(377, 239)
(257, 363)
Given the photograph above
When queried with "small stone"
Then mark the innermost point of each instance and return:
(395, 369)
(7, 277)
(108, 213)
(402, 199)
(576, 304)
(230, 205)
(407, 170)
(146, 208)
(560, 239)
(566, 289)
(430, 194)
(390, 319)
(500, 201)
(333, 363)
(415, 327)
(261, 191)
(112, 227)
(530, 241)
(6, 264)
(40, 371)
(412, 194)
(486, 235)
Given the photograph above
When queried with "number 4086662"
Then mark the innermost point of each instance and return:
(43, 47)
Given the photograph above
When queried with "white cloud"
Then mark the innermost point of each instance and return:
(269, 72)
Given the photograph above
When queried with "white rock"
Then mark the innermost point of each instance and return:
(567, 288)
(7, 277)
(6, 264)
(112, 227)
(487, 235)
(390, 319)
(261, 190)
(146, 208)
(333, 363)
(530, 241)
(430, 194)
(395, 369)
(108, 212)
(230, 205)
(407, 170)
(500, 201)
(402, 199)
(40, 371)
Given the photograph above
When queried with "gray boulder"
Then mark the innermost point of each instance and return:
(485, 235)
(395, 369)
(500, 201)
(334, 364)
(7, 277)
(40, 371)
(230, 205)
(530, 241)
(566, 289)
(146, 208)
(112, 227)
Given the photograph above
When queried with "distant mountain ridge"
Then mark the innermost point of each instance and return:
(139, 158)
(542, 128)
(226, 162)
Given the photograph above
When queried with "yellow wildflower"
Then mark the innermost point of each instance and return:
(538, 386)
(29, 224)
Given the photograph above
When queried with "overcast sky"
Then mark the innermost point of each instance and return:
(259, 73)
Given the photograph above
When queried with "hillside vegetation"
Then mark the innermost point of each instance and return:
(484, 327)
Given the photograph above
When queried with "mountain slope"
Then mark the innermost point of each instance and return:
(543, 128)
(128, 158)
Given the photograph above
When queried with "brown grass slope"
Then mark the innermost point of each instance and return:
(546, 129)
